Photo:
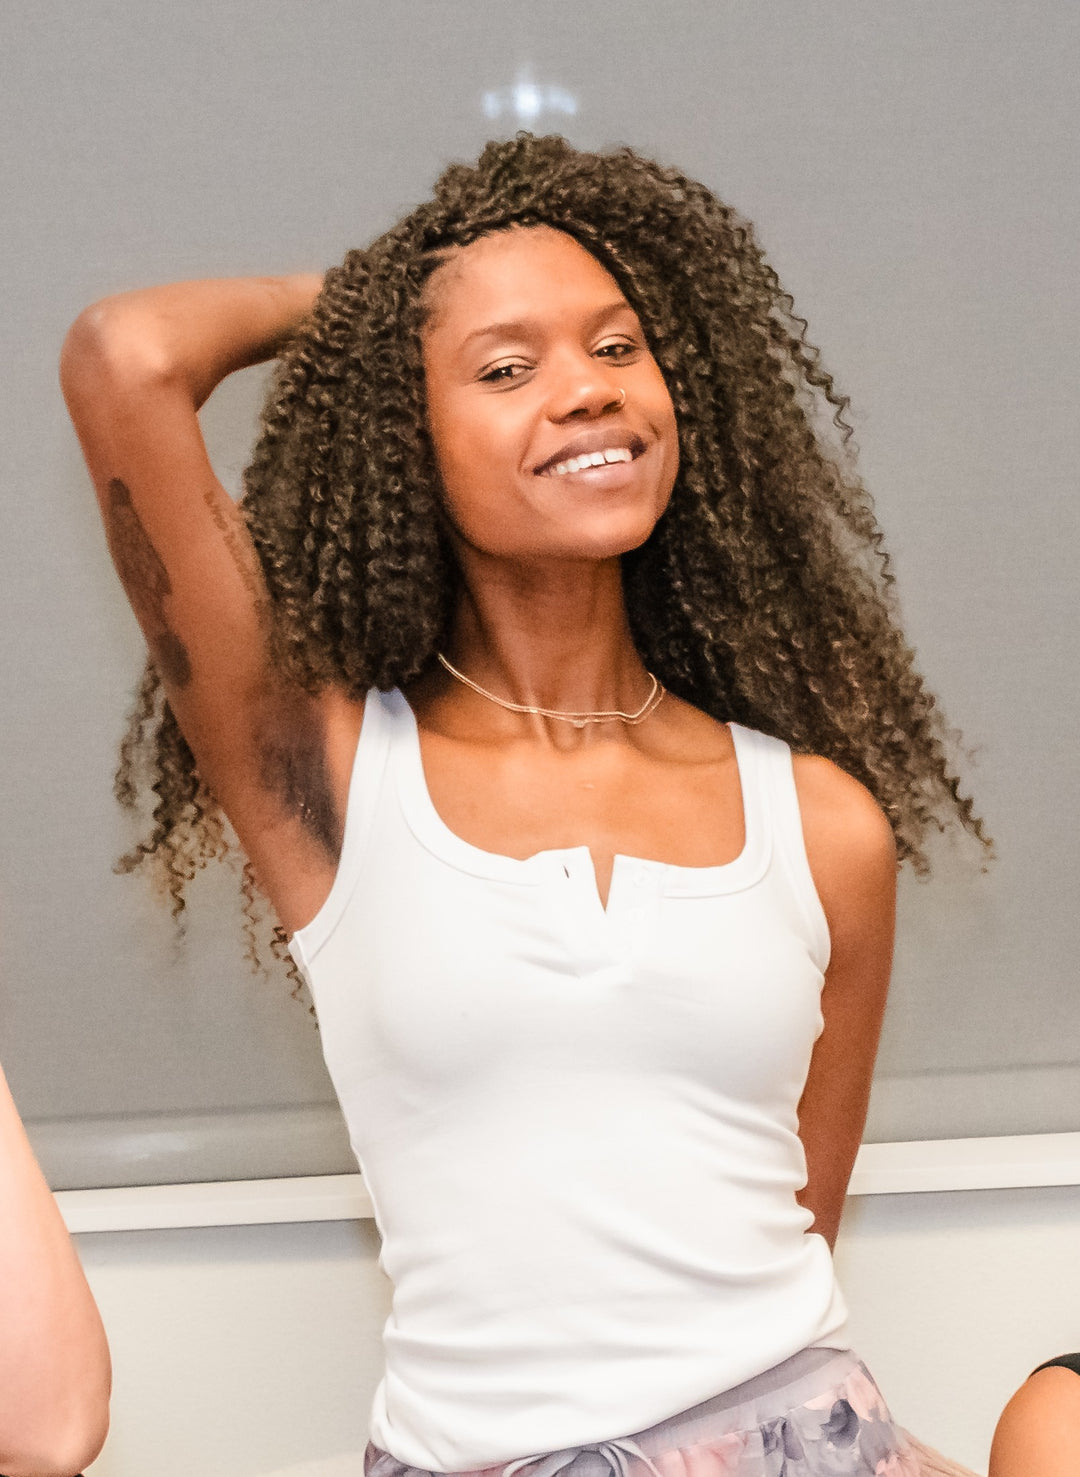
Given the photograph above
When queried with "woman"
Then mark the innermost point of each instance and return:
(544, 562)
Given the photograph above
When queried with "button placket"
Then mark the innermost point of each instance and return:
(601, 938)
(635, 887)
(579, 904)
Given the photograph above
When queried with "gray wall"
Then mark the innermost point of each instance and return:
(911, 169)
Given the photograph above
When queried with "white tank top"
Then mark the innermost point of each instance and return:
(577, 1126)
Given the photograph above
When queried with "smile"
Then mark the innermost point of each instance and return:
(599, 447)
(589, 459)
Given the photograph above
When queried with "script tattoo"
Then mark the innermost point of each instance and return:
(293, 767)
(147, 583)
(229, 523)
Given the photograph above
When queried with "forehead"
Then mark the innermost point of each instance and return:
(519, 273)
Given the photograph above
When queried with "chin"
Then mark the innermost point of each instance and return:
(611, 536)
(596, 534)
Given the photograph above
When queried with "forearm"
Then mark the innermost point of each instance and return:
(189, 334)
(54, 1359)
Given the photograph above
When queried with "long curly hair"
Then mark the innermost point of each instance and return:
(764, 594)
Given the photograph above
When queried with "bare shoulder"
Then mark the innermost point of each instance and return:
(1039, 1429)
(834, 805)
(849, 841)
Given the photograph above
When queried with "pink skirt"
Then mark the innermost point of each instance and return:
(819, 1414)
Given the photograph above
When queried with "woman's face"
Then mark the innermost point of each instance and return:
(527, 350)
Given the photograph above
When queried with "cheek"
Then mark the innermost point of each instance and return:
(658, 406)
(469, 467)
(668, 427)
(452, 446)
(478, 448)
(472, 474)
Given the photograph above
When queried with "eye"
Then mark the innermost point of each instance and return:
(618, 349)
(503, 374)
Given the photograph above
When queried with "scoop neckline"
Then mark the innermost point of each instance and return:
(429, 828)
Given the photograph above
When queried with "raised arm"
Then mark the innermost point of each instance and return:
(135, 369)
(54, 1361)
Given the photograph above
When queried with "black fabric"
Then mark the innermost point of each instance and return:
(1065, 1361)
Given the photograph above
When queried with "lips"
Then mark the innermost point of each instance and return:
(608, 439)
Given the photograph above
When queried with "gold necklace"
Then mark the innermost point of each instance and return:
(579, 720)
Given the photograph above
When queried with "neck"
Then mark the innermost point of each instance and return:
(555, 639)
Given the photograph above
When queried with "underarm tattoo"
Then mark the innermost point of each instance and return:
(147, 583)
(240, 549)
(293, 768)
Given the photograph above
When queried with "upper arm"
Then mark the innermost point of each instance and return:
(852, 857)
(187, 562)
(179, 544)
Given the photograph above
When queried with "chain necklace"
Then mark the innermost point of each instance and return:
(579, 720)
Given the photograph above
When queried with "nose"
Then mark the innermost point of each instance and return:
(583, 389)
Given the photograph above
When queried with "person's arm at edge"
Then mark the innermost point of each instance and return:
(1038, 1434)
(55, 1374)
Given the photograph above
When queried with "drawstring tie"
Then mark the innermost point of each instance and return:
(615, 1453)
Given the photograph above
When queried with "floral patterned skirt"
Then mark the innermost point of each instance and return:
(819, 1414)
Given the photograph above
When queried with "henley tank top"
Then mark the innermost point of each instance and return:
(578, 1126)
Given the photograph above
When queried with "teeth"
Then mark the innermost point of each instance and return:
(592, 459)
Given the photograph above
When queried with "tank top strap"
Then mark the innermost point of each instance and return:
(771, 775)
(381, 724)
(1063, 1361)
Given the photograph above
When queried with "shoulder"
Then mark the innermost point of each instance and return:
(838, 809)
(1040, 1426)
(1055, 1384)
(849, 841)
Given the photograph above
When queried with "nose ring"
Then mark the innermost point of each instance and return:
(622, 398)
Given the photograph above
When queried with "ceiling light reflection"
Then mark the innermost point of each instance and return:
(526, 100)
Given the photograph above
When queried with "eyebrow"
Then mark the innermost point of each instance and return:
(519, 327)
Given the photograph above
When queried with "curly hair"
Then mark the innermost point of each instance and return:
(764, 594)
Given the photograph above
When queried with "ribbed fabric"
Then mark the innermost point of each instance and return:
(578, 1127)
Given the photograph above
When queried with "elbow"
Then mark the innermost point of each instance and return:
(63, 1452)
(60, 1425)
(109, 347)
(91, 1438)
(82, 1446)
(87, 1440)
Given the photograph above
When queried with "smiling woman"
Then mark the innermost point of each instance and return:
(554, 430)
(549, 678)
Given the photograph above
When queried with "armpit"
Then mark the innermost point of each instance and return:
(294, 767)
